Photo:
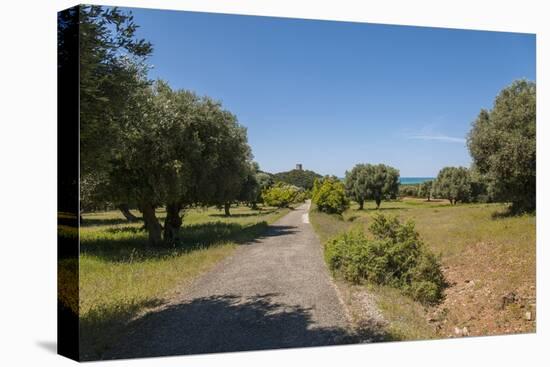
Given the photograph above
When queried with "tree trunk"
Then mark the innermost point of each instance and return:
(126, 212)
(378, 201)
(361, 204)
(151, 224)
(255, 206)
(172, 223)
(226, 207)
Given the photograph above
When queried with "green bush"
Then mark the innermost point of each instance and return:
(395, 256)
(329, 195)
(281, 195)
(408, 190)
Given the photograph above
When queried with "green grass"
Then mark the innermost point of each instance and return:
(121, 277)
(485, 255)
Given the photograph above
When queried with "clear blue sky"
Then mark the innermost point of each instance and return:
(333, 94)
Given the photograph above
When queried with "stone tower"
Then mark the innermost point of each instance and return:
(299, 166)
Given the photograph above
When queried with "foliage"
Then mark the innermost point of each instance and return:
(395, 257)
(281, 195)
(372, 182)
(479, 187)
(265, 181)
(296, 177)
(251, 188)
(408, 190)
(111, 67)
(329, 195)
(179, 150)
(453, 183)
(502, 143)
(425, 189)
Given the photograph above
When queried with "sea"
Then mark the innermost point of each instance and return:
(414, 180)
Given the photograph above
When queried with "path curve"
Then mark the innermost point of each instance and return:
(274, 292)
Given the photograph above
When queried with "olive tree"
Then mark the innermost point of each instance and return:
(265, 181)
(372, 182)
(250, 188)
(453, 184)
(425, 189)
(356, 184)
(502, 143)
(111, 66)
(179, 150)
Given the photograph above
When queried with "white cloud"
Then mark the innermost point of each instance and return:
(449, 139)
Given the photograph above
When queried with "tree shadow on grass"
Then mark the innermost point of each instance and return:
(225, 323)
(133, 245)
(95, 222)
(510, 212)
(245, 215)
(103, 326)
(382, 209)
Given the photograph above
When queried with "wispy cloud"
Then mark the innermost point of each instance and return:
(445, 138)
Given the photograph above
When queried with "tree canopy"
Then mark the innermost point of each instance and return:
(453, 183)
(179, 150)
(281, 194)
(425, 189)
(329, 195)
(502, 143)
(372, 182)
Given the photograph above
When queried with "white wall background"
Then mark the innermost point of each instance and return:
(28, 180)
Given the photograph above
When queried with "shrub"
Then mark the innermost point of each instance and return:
(329, 195)
(395, 256)
(281, 195)
(408, 190)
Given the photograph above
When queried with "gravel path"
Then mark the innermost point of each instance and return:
(272, 293)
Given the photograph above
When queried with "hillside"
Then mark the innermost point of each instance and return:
(300, 178)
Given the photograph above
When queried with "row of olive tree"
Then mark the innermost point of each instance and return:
(145, 145)
(456, 184)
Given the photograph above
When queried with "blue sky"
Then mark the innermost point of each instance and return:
(333, 94)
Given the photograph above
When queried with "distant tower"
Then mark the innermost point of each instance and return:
(299, 166)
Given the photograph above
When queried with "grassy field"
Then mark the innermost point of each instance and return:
(488, 259)
(121, 277)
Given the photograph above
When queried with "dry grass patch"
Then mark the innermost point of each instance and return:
(488, 258)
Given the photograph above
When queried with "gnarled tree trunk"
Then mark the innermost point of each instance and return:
(378, 201)
(125, 210)
(172, 223)
(151, 224)
(226, 207)
(361, 204)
